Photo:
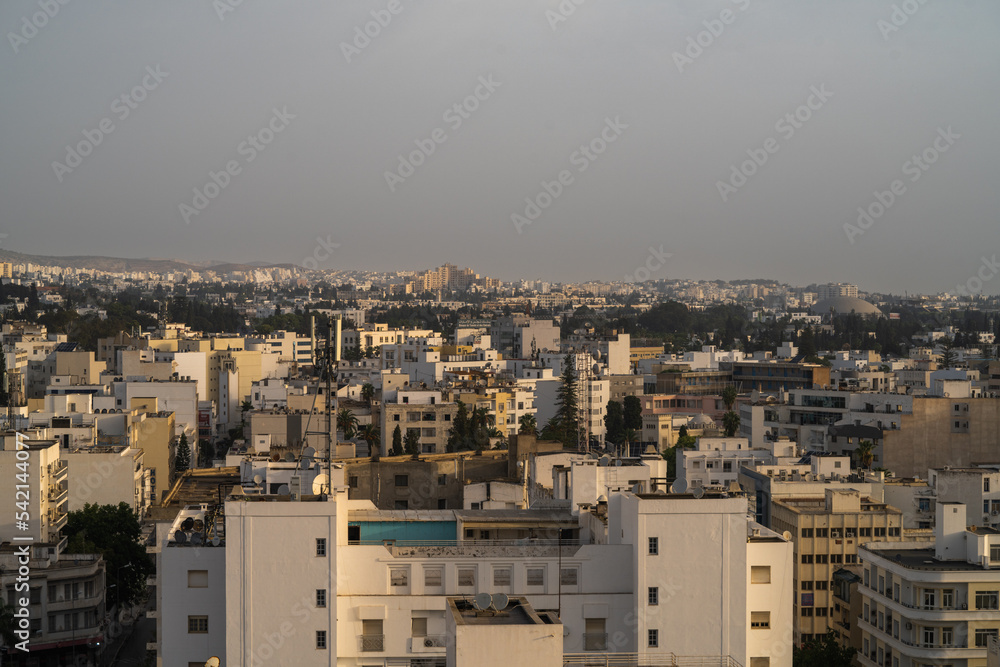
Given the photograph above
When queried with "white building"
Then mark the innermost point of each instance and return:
(932, 605)
(319, 580)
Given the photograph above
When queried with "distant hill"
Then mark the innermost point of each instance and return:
(121, 265)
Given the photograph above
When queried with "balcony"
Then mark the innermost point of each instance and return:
(372, 643)
(58, 494)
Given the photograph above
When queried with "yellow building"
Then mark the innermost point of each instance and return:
(154, 435)
(827, 533)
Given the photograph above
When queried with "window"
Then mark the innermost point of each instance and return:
(947, 636)
(930, 598)
(880, 532)
(466, 576)
(986, 484)
(760, 619)
(821, 559)
(501, 576)
(197, 624)
(536, 576)
(652, 638)
(432, 577)
(418, 626)
(947, 597)
(653, 595)
(402, 480)
(760, 574)
(760, 662)
(352, 481)
(986, 600)
(994, 552)
(401, 505)
(320, 597)
(807, 532)
(807, 612)
(821, 532)
(442, 480)
(822, 585)
(807, 559)
(654, 546)
(399, 576)
(894, 532)
(568, 576)
(865, 532)
(983, 636)
(197, 579)
(321, 639)
(320, 546)
(821, 611)
(807, 585)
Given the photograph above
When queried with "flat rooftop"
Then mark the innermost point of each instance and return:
(516, 611)
(923, 559)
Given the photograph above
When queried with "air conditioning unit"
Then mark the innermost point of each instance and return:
(428, 642)
(909, 626)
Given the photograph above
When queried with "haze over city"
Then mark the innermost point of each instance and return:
(629, 125)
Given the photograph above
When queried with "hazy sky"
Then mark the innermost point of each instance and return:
(683, 91)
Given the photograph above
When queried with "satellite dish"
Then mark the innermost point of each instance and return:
(283, 490)
(199, 525)
(216, 541)
(500, 601)
(305, 464)
(180, 537)
(787, 535)
(699, 492)
(618, 463)
(679, 486)
(637, 488)
(289, 457)
(320, 483)
(187, 524)
(309, 451)
(213, 662)
(257, 479)
(197, 540)
(482, 601)
(604, 460)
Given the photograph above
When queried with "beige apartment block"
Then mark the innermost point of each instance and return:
(827, 533)
(155, 438)
(958, 432)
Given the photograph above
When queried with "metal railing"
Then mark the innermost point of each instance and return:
(373, 643)
(431, 641)
(646, 660)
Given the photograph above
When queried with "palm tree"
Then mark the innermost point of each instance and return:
(730, 423)
(368, 393)
(347, 422)
(528, 425)
(371, 434)
(865, 453)
(729, 396)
